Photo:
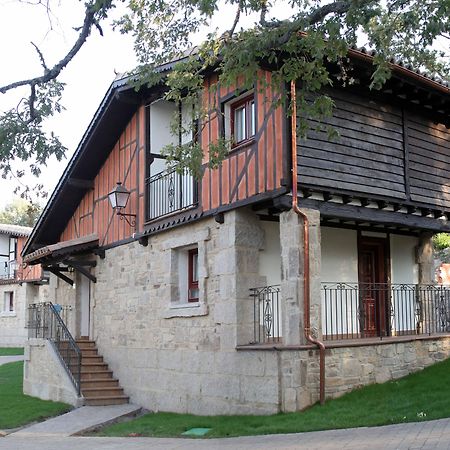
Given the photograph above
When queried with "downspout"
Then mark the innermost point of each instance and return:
(306, 270)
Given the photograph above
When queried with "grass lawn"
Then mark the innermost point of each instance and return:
(421, 396)
(10, 351)
(17, 409)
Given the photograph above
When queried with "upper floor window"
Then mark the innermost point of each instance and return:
(243, 119)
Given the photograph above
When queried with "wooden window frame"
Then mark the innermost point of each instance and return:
(192, 284)
(247, 102)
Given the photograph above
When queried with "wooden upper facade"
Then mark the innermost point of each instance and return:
(392, 149)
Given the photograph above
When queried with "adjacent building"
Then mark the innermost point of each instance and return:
(15, 285)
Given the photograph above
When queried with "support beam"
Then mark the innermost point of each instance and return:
(80, 183)
(376, 216)
(57, 273)
(82, 270)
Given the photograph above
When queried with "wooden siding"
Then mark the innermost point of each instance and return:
(125, 163)
(383, 150)
(366, 158)
(429, 160)
(250, 169)
(27, 273)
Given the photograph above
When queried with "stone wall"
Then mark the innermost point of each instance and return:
(181, 357)
(348, 368)
(12, 324)
(176, 356)
(44, 376)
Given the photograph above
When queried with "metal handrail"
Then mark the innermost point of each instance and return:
(47, 323)
(359, 310)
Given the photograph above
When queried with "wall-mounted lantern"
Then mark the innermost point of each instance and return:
(118, 198)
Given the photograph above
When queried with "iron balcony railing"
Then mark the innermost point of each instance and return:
(363, 310)
(267, 324)
(44, 321)
(169, 192)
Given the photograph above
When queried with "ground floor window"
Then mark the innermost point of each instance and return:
(193, 291)
(8, 302)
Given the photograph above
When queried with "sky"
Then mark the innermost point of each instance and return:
(87, 77)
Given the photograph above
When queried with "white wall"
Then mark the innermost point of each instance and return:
(339, 255)
(270, 256)
(161, 114)
(403, 260)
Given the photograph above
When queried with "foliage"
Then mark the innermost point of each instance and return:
(417, 397)
(309, 46)
(17, 409)
(21, 212)
(441, 241)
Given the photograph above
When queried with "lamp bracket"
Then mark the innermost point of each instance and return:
(124, 216)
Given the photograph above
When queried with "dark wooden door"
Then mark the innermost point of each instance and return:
(372, 274)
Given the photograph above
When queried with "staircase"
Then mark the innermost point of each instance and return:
(98, 386)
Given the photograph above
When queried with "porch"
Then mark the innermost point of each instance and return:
(364, 284)
(359, 311)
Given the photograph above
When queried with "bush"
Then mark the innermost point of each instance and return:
(441, 241)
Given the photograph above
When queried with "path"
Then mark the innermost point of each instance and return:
(8, 359)
(423, 435)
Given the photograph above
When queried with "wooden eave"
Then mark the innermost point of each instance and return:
(60, 250)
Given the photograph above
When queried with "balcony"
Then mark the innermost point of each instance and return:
(169, 192)
(358, 310)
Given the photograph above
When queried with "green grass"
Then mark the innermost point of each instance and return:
(17, 409)
(11, 351)
(421, 396)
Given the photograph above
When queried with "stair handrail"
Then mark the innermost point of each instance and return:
(46, 320)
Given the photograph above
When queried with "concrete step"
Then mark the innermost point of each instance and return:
(99, 382)
(95, 374)
(85, 344)
(93, 367)
(89, 352)
(106, 400)
(102, 392)
(91, 359)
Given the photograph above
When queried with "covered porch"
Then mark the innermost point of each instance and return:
(368, 280)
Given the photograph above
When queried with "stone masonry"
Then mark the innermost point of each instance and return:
(174, 356)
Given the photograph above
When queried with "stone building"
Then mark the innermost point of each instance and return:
(298, 270)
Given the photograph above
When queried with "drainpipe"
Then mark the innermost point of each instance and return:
(306, 271)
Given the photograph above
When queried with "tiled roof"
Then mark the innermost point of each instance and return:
(15, 230)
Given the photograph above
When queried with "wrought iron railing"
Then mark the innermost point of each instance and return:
(169, 192)
(10, 271)
(44, 321)
(362, 310)
(267, 324)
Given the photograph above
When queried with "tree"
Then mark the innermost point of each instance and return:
(21, 212)
(302, 47)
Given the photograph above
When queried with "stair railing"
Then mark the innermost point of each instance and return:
(44, 321)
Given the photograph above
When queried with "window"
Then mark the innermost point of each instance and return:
(12, 257)
(193, 292)
(188, 274)
(243, 120)
(8, 303)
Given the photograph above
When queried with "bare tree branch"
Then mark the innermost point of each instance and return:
(41, 57)
(53, 73)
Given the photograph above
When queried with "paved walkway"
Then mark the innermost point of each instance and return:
(423, 435)
(8, 359)
(76, 421)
